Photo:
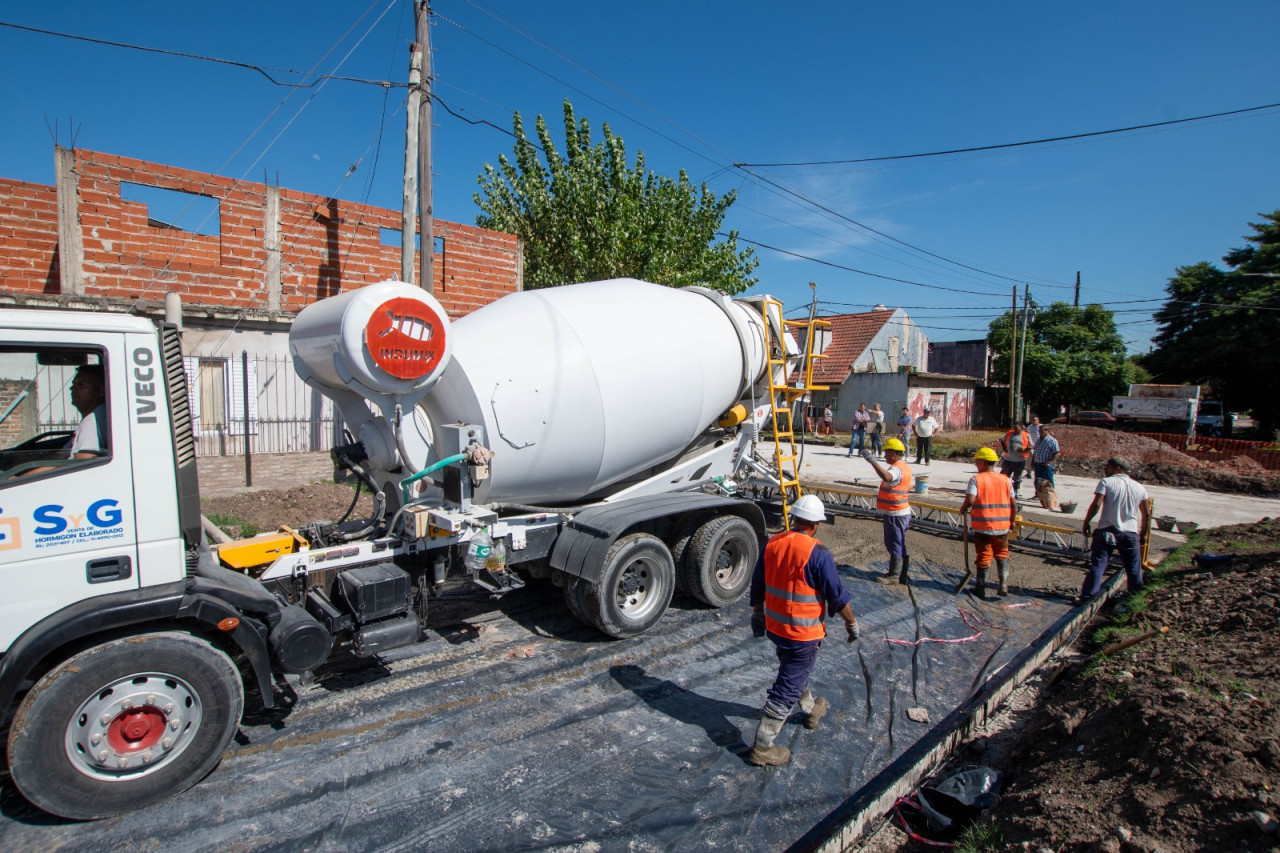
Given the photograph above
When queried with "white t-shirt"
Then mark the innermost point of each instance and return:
(925, 426)
(1121, 499)
(91, 435)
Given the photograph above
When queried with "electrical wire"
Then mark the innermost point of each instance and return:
(261, 69)
(775, 187)
(1088, 135)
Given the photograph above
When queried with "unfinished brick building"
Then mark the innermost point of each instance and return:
(258, 256)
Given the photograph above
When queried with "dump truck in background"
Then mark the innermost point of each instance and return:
(603, 436)
(1157, 408)
(1171, 408)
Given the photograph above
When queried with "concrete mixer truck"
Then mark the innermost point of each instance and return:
(603, 436)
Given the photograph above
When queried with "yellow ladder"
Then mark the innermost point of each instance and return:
(782, 396)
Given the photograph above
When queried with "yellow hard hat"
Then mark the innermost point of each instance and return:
(986, 454)
(894, 444)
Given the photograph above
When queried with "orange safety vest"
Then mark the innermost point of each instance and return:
(894, 498)
(792, 608)
(990, 511)
(1025, 452)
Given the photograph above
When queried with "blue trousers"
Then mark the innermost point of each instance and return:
(1044, 471)
(795, 664)
(1105, 541)
(895, 534)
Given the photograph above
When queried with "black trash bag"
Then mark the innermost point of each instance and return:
(1213, 561)
(961, 797)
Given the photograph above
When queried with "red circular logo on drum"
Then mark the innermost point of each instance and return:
(405, 338)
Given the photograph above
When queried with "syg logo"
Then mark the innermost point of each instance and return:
(55, 525)
(10, 532)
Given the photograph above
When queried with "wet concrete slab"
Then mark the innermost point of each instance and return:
(515, 728)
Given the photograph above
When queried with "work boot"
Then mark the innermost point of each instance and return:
(813, 708)
(895, 566)
(1002, 570)
(906, 564)
(980, 583)
(763, 752)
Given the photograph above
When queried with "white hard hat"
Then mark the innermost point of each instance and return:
(809, 508)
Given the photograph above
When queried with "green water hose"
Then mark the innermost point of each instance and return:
(430, 469)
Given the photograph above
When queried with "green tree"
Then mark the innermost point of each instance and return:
(1074, 357)
(588, 215)
(1218, 327)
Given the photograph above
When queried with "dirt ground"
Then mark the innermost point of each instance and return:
(1084, 449)
(1170, 744)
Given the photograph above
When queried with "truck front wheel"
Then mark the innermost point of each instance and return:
(124, 725)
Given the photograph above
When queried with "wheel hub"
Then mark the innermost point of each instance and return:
(132, 725)
(632, 587)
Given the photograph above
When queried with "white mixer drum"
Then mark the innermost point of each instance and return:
(385, 340)
(581, 386)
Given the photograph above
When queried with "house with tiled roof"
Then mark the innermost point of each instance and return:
(882, 356)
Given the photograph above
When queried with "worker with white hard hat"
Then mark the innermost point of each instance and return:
(794, 588)
(895, 509)
(992, 507)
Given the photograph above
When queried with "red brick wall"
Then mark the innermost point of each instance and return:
(28, 237)
(327, 245)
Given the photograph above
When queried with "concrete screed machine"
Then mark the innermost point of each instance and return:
(606, 436)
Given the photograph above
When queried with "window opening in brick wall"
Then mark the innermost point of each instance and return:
(176, 210)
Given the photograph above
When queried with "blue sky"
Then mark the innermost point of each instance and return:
(704, 85)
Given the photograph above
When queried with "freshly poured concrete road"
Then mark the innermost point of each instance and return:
(949, 479)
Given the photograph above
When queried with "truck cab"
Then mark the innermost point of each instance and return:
(1214, 419)
(82, 514)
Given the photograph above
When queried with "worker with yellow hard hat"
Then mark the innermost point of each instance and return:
(992, 509)
(895, 511)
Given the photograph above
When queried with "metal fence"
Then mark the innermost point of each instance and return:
(285, 415)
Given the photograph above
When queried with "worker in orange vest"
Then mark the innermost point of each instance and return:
(794, 588)
(895, 510)
(1017, 450)
(992, 509)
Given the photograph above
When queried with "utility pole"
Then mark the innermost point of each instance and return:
(416, 198)
(409, 189)
(1022, 350)
(1013, 358)
(1076, 304)
(426, 212)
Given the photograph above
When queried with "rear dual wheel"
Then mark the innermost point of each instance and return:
(720, 560)
(634, 589)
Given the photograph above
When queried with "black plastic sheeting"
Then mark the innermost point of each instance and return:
(515, 728)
